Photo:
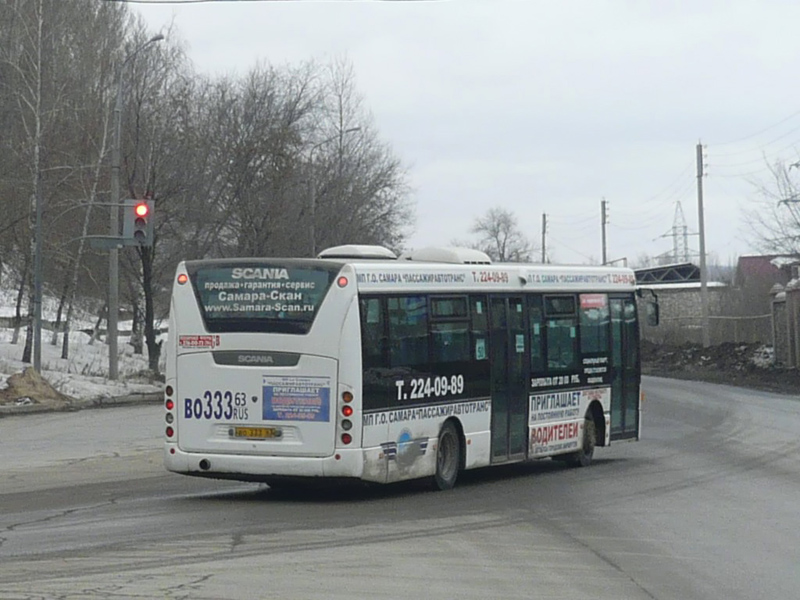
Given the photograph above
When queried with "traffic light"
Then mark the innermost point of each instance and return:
(137, 226)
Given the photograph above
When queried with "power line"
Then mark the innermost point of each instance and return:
(675, 182)
(578, 252)
(756, 134)
(764, 157)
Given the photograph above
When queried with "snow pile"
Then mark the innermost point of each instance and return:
(84, 375)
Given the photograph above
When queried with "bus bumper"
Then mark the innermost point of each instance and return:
(344, 463)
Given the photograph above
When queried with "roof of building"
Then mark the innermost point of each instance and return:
(773, 267)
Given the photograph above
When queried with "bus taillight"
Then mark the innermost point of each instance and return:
(183, 278)
(169, 405)
(346, 411)
(342, 281)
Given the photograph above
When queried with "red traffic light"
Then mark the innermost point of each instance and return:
(141, 209)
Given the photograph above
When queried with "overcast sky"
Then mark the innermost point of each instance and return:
(546, 106)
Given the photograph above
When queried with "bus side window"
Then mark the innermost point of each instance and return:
(450, 341)
(479, 328)
(562, 332)
(449, 329)
(537, 329)
(373, 337)
(594, 323)
(408, 331)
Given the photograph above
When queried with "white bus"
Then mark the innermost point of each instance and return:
(359, 365)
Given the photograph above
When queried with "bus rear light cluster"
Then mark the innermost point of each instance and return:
(183, 278)
(169, 405)
(345, 423)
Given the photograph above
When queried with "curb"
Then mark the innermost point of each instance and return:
(129, 400)
(76, 405)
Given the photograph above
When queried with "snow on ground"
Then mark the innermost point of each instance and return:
(84, 375)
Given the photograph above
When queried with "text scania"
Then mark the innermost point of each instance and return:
(259, 273)
(259, 296)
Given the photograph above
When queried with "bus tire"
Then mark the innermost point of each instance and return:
(448, 457)
(583, 457)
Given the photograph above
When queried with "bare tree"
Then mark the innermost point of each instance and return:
(361, 190)
(236, 165)
(500, 237)
(52, 63)
(775, 217)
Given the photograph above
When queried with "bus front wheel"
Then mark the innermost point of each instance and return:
(448, 457)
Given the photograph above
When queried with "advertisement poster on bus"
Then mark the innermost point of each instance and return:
(296, 398)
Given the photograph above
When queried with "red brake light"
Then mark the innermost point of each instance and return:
(170, 405)
(347, 411)
(342, 281)
(183, 278)
(171, 432)
(346, 438)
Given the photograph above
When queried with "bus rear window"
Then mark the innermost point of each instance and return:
(260, 297)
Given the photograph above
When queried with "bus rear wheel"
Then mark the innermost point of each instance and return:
(448, 457)
(583, 457)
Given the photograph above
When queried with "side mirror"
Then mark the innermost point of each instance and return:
(651, 312)
(650, 306)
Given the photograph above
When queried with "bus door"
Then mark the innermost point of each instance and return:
(625, 377)
(508, 379)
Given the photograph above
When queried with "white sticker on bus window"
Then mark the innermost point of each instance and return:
(572, 332)
(479, 307)
(480, 349)
(520, 343)
(535, 329)
(519, 307)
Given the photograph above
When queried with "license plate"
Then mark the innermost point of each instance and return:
(256, 433)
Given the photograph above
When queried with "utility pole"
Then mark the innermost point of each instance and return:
(603, 222)
(544, 238)
(702, 232)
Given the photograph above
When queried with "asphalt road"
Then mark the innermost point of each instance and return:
(705, 507)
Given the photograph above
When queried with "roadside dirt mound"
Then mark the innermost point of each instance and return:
(744, 365)
(28, 388)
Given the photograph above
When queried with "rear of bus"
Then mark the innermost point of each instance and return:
(263, 370)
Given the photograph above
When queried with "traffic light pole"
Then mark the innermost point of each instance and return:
(113, 253)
